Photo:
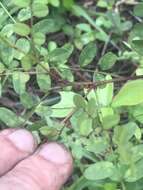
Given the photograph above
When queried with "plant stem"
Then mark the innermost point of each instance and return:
(123, 186)
(7, 12)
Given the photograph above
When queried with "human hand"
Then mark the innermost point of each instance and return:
(23, 167)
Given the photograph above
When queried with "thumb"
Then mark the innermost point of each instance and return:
(47, 169)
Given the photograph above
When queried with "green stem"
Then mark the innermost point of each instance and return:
(7, 12)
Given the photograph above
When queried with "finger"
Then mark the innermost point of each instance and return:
(47, 169)
(15, 145)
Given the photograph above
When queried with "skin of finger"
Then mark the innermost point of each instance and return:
(10, 153)
(36, 173)
(9, 156)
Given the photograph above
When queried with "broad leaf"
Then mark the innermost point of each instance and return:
(55, 3)
(23, 46)
(99, 170)
(107, 61)
(21, 29)
(40, 10)
(43, 78)
(85, 124)
(28, 100)
(21, 3)
(138, 10)
(49, 25)
(105, 94)
(79, 101)
(122, 134)
(10, 118)
(19, 80)
(39, 38)
(65, 106)
(130, 94)
(135, 173)
(61, 54)
(87, 55)
(137, 45)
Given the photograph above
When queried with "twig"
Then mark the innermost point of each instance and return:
(7, 12)
(106, 45)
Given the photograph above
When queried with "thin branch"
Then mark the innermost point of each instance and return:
(7, 12)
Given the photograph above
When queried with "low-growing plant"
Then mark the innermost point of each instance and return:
(71, 71)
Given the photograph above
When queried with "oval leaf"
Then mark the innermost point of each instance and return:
(79, 101)
(130, 94)
(87, 55)
(21, 3)
(21, 29)
(98, 171)
(19, 80)
(40, 10)
(43, 78)
(107, 61)
(61, 54)
(65, 106)
(138, 10)
(10, 118)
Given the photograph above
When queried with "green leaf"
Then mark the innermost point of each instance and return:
(135, 185)
(96, 145)
(23, 46)
(55, 3)
(80, 12)
(77, 151)
(68, 4)
(61, 54)
(92, 107)
(79, 101)
(28, 100)
(122, 134)
(110, 186)
(105, 94)
(99, 170)
(40, 10)
(85, 124)
(107, 61)
(137, 113)
(108, 118)
(84, 27)
(130, 94)
(26, 62)
(39, 38)
(87, 55)
(137, 152)
(43, 78)
(24, 14)
(65, 106)
(43, 111)
(44, 2)
(49, 132)
(0, 87)
(137, 45)
(136, 32)
(138, 10)
(21, 3)
(52, 46)
(19, 80)
(115, 19)
(21, 29)
(10, 118)
(49, 25)
(135, 173)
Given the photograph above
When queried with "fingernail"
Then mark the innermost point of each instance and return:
(23, 140)
(55, 153)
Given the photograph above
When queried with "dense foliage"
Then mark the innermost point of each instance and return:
(72, 71)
